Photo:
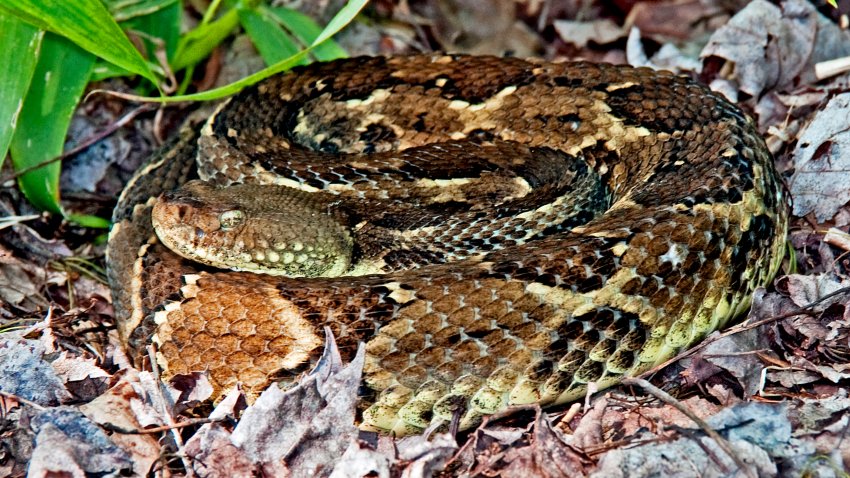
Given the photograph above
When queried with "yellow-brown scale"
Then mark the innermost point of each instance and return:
(696, 222)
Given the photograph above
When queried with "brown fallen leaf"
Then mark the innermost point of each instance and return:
(776, 47)
(546, 455)
(734, 354)
(306, 429)
(425, 455)
(213, 454)
(681, 19)
(67, 443)
(579, 33)
(115, 409)
(805, 289)
(361, 460)
(20, 284)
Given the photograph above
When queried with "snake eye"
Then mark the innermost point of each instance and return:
(230, 219)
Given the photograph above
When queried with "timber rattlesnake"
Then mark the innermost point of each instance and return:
(461, 168)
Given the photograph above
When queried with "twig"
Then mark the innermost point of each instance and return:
(10, 221)
(838, 238)
(805, 310)
(828, 68)
(26, 402)
(149, 431)
(84, 144)
(668, 399)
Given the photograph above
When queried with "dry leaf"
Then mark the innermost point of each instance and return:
(776, 48)
(580, 34)
(426, 456)
(214, 455)
(69, 444)
(308, 427)
(113, 409)
(820, 181)
(360, 460)
(677, 19)
(26, 374)
(756, 432)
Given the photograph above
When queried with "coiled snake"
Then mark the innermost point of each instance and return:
(442, 189)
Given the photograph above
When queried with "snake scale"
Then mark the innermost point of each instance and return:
(441, 189)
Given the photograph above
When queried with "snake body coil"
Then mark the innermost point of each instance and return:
(525, 298)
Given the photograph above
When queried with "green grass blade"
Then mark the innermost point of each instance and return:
(85, 22)
(60, 77)
(18, 56)
(343, 18)
(200, 42)
(306, 30)
(87, 220)
(273, 43)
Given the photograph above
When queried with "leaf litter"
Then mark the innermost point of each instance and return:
(774, 387)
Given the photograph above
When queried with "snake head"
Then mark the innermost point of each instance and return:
(258, 228)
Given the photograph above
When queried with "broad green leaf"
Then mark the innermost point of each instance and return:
(21, 42)
(103, 70)
(162, 24)
(85, 22)
(60, 77)
(273, 43)
(306, 30)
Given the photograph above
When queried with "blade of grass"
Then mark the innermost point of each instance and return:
(200, 42)
(340, 20)
(85, 22)
(21, 42)
(306, 30)
(271, 41)
(60, 76)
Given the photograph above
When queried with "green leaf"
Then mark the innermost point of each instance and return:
(90, 221)
(85, 22)
(273, 43)
(162, 24)
(58, 82)
(340, 20)
(103, 70)
(123, 10)
(306, 30)
(198, 43)
(18, 56)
